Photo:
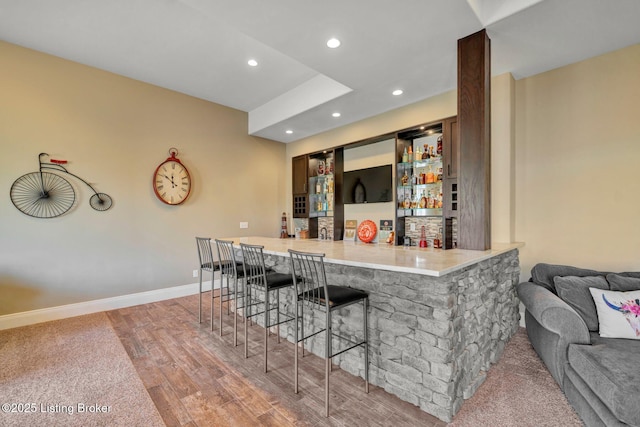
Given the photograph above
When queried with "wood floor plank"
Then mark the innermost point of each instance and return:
(197, 378)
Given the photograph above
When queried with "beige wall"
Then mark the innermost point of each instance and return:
(577, 167)
(115, 131)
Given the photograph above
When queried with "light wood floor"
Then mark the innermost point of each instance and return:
(197, 378)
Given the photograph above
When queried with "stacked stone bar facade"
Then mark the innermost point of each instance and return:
(432, 339)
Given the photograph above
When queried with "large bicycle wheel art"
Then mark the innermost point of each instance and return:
(42, 194)
(48, 195)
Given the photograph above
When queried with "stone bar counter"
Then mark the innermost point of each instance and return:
(437, 319)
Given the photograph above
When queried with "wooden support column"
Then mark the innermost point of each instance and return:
(474, 131)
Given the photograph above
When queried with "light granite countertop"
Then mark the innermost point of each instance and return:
(426, 261)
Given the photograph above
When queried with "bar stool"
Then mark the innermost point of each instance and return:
(205, 256)
(261, 279)
(233, 271)
(312, 291)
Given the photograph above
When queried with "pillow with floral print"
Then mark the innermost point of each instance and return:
(618, 313)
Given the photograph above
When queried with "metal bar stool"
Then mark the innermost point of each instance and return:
(259, 278)
(205, 256)
(233, 271)
(312, 291)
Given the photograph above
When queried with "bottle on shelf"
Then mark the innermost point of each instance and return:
(426, 155)
(410, 154)
(405, 156)
(430, 178)
(423, 201)
(405, 179)
(439, 149)
(423, 238)
(418, 155)
(437, 241)
(414, 178)
(318, 187)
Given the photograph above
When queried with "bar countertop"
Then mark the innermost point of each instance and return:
(426, 261)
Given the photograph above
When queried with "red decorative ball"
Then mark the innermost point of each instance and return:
(367, 231)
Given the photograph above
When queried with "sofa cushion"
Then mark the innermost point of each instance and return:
(610, 368)
(543, 274)
(618, 313)
(623, 282)
(575, 292)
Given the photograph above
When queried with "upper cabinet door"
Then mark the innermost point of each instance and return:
(450, 148)
(300, 167)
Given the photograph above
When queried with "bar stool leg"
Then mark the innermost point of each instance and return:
(278, 314)
(235, 313)
(213, 297)
(327, 369)
(266, 326)
(302, 326)
(246, 321)
(200, 298)
(221, 298)
(295, 351)
(365, 303)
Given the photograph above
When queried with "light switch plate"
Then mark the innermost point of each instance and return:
(244, 225)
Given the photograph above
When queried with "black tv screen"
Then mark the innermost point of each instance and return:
(370, 185)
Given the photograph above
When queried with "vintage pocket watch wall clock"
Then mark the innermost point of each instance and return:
(171, 180)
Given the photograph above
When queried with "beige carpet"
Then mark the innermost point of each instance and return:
(519, 391)
(72, 372)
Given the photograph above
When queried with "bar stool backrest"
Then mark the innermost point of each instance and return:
(205, 254)
(227, 257)
(253, 262)
(309, 278)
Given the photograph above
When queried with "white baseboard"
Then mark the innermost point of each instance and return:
(15, 320)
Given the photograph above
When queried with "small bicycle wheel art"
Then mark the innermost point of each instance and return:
(100, 201)
(42, 194)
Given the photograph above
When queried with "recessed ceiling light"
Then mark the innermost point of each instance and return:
(336, 114)
(397, 92)
(252, 62)
(333, 43)
(289, 131)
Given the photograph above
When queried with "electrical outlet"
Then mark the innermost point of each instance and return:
(195, 273)
(244, 225)
(413, 227)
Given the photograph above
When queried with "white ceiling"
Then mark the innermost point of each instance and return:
(201, 47)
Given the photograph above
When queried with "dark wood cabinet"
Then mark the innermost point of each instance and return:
(300, 168)
(451, 145)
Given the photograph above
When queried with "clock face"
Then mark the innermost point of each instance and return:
(171, 182)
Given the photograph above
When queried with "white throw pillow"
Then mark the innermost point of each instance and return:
(618, 313)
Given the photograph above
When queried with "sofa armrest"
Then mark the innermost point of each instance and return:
(556, 326)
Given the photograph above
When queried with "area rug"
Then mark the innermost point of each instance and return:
(73, 372)
(518, 391)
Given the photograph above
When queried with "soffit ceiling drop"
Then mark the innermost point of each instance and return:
(201, 48)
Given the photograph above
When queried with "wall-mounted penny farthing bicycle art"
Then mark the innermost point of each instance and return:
(47, 194)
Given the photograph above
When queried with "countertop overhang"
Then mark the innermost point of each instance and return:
(425, 261)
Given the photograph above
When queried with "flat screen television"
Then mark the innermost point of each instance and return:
(370, 185)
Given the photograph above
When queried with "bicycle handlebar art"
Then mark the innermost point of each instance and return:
(44, 194)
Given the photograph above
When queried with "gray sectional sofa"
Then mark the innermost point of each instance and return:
(600, 376)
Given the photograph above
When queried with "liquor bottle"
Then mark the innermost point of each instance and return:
(414, 178)
(418, 154)
(439, 175)
(405, 178)
(430, 179)
(425, 154)
(318, 187)
(439, 149)
(410, 154)
(423, 201)
(405, 156)
(439, 202)
(423, 238)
